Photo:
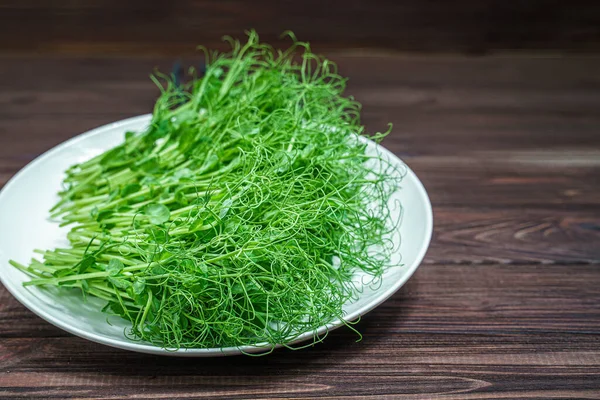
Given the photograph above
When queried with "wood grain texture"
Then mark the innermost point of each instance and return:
(452, 332)
(137, 26)
(505, 305)
(499, 124)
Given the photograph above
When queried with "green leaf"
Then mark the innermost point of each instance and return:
(198, 287)
(150, 166)
(182, 173)
(209, 163)
(183, 119)
(86, 263)
(119, 283)
(85, 286)
(232, 226)
(123, 209)
(113, 157)
(196, 223)
(308, 151)
(130, 189)
(206, 235)
(104, 214)
(184, 322)
(186, 140)
(180, 198)
(158, 130)
(149, 181)
(193, 267)
(158, 270)
(165, 195)
(225, 208)
(217, 72)
(139, 285)
(284, 160)
(141, 299)
(188, 265)
(202, 267)
(152, 252)
(59, 273)
(114, 307)
(158, 235)
(114, 267)
(157, 213)
(164, 255)
(199, 219)
(237, 289)
(113, 194)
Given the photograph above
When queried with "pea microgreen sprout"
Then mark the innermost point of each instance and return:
(239, 216)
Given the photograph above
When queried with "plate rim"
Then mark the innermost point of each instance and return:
(225, 351)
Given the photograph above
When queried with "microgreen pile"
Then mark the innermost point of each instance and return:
(239, 216)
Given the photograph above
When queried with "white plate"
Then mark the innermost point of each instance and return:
(25, 226)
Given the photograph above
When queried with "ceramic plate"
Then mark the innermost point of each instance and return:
(25, 226)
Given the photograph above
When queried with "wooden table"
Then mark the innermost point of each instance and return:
(506, 303)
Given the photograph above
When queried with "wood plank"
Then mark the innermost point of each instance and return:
(505, 303)
(421, 372)
(533, 180)
(489, 98)
(514, 235)
(137, 26)
(454, 331)
(493, 127)
(491, 299)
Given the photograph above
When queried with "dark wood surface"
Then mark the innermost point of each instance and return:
(151, 27)
(506, 303)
